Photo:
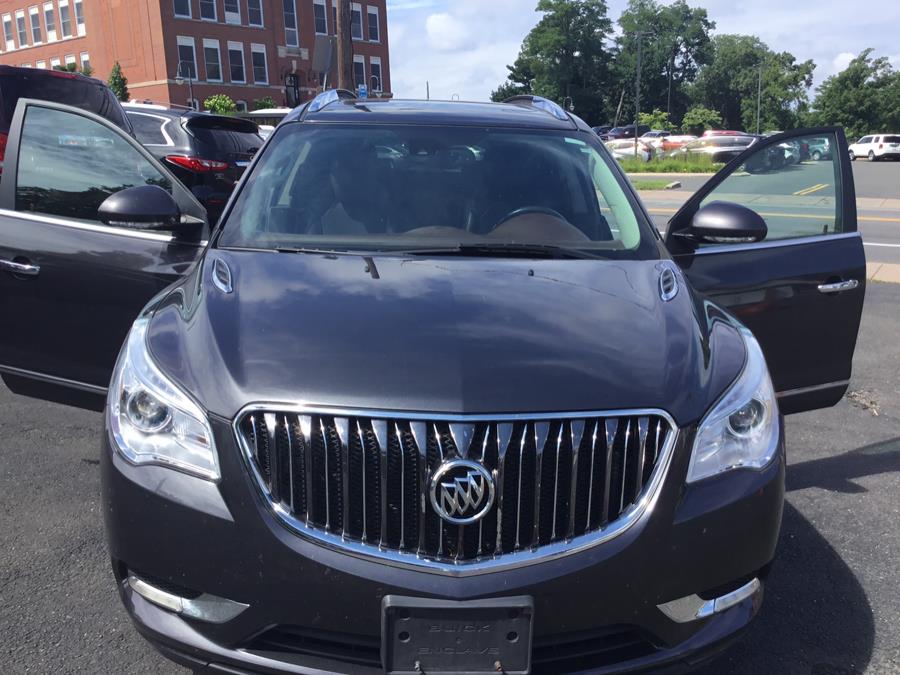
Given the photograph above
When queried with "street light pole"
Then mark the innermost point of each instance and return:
(190, 81)
(637, 90)
(758, 98)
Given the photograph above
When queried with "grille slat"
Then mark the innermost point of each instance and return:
(367, 479)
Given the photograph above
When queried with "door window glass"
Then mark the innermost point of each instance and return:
(68, 165)
(795, 186)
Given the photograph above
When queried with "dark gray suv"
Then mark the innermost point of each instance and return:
(435, 396)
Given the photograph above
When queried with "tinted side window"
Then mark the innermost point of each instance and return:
(150, 129)
(796, 198)
(68, 165)
(865, 139)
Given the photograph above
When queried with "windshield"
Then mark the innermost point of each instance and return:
(390, 187)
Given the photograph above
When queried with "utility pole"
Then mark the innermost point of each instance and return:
(345, 46)
(758, 98)
(427, 91)
(637, 90)
(619, 109)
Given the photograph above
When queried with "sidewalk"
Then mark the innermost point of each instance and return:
(884, 272)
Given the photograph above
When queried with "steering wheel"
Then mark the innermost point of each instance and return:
(525, 210)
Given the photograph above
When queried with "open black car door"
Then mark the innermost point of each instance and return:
(71, 281)
(801, 288)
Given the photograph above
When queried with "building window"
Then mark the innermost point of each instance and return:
(42, 65)
(79, 17)
(8, 32)
(260, 67)
(334, 17)
(359, 70)
(187, 58)
(374, 28)
(241, 106)
(208, 10)
(182, 8)
(291, 37)
(50, 21)
(35, 19)
(20, 28)
(70, 60)
(236, 61)
(55, 63)
(321, 17)
(375, 81)
(85, 61)
(254, 12)
(356, 22)
(65, 21)
(232, 11)
(212, 59)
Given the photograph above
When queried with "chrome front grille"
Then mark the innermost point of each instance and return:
(361, 481)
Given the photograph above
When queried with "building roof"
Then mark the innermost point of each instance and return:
(399, 111)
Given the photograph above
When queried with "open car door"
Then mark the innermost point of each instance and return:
(91, 228)
(773, 237)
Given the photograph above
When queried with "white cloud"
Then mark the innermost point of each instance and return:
(841, 61)
(446, 33)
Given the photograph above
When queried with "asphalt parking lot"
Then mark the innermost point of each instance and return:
(832, 602)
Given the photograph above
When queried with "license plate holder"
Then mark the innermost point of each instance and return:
(460, 637)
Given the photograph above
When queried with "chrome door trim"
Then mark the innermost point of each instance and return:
(19, 268)
(777, 243)
(97, 227)
(814, 388)
(839, 286)
(636, 513)
(54, 379)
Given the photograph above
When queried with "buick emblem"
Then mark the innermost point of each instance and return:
(461, 491)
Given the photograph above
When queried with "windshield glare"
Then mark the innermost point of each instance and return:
(393, 187)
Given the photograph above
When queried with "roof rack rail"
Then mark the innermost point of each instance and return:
(327, 97)
(540, 103)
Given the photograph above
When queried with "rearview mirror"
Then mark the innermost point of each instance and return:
(726, 223)
(148, 207)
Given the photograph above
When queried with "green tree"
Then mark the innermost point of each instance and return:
(862, 98)
(118, 83)
(658, 119)
(698, 119)
(564, 56)
(264, 103)
(728, 84)
(220, 104)
(675, 45)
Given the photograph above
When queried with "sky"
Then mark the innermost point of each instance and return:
(462, 47)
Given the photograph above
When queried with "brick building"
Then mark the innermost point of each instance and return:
(242, 48)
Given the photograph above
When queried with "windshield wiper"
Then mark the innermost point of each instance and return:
(503, 250)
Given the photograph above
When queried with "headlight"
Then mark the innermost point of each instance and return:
(742, 429)
(151, 419)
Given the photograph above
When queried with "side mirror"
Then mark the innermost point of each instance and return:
(145, 206)
(726, 223)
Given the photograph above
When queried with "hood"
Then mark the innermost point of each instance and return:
(440, 335)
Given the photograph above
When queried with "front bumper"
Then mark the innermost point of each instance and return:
(706, 539)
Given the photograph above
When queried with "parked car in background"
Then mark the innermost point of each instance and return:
(709, 133)
(626, 147)
(602, 129)
(54, 85)
(719, 149)
(624, 132)
(674, 142)
(881, 146)
(208, 153)
(819, 149)
(655, 138)
(266, 118)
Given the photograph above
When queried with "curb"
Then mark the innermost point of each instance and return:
(884, 272)
(668, 175)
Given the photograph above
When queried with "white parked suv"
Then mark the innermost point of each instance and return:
(876, 147)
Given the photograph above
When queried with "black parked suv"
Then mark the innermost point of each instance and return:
(54, 85)
(208, 153)
(435, 396)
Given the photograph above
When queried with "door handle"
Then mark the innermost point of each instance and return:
(838, 286)
(24, 269)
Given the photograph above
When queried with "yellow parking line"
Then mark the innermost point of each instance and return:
(871, 219)
(811, 189)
